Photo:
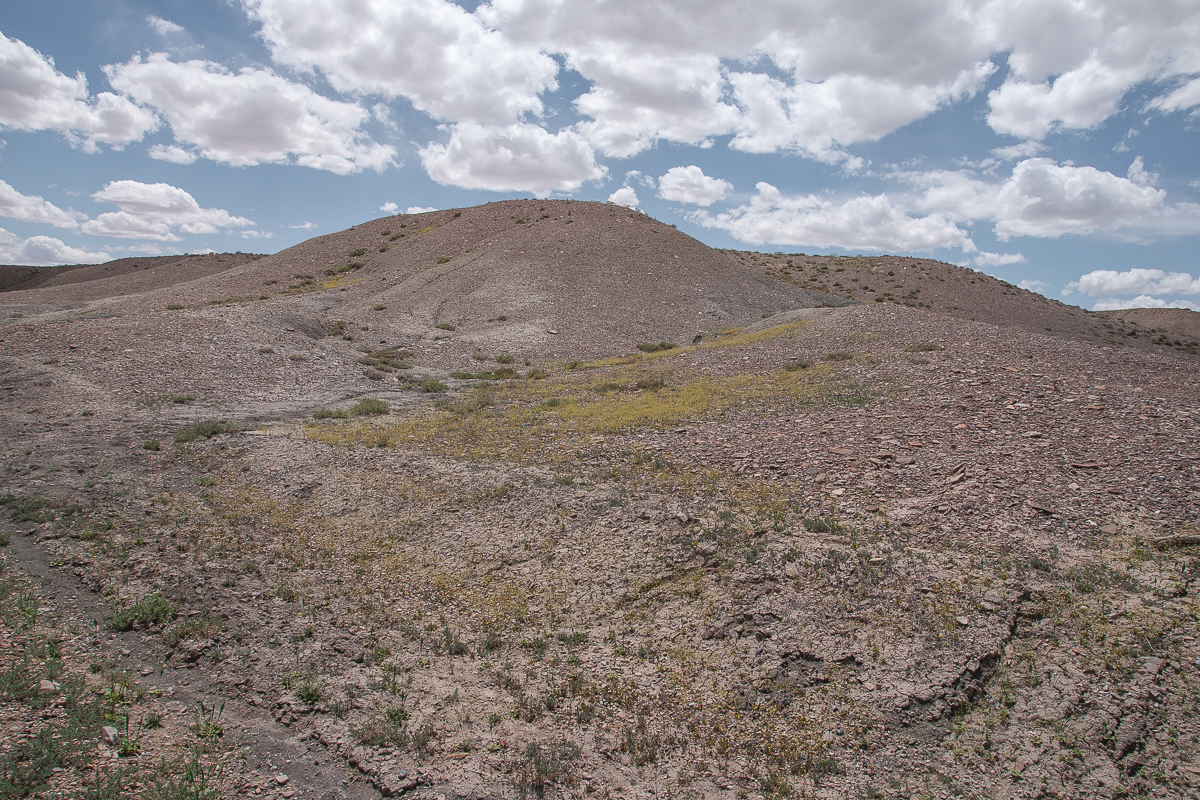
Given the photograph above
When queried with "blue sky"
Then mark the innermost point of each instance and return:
(1051, 143)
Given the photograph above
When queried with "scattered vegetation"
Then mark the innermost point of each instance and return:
(205, 430)
(387, 360)
(369, 407)
(153, 609)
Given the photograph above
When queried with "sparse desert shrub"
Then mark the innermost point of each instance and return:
(379, 307)
(201, 628)
(329, 413)
(176, 307)
(298, 357)
(432, 385)
(27, 509)
(537, 374)
(338, 328)
(442, 260)
(926, 347)
(545, 766)
(151, 444)
(204, 430)
(798, 364)
(823, 525)
(505, 358)
(646, 347)
(839, 355)
(445, 326)
(265, 350)
(373, 374)
(182, 399)
(357, 252)
(369, 407)
(309, 693)
(204, 480)
(387, 360)
(151, 609)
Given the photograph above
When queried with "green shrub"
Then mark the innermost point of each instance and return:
(309, 693)
(151, 609)
(799, 364)
(368, 407)
(442, 260)
(537, 374)
(823, 525)
(204, 430)
(360, 251)
(839, 355)
(176, 307)
(445, 326)
(431, 385)
(387, 360)
(151, 444)
(327, 413)
(646, 347)
(505, 358)
(925, 347)
(27, 509)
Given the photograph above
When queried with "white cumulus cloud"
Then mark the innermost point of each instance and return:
(690, 185)
(862, 223)
(444, 60)
(513, 158)
(1143, 301)
(986, 259)
(419, 209)
(625, 196)
(252, 116)
(156, 211)
(1111, 283)
(35, 96)
(1041, 198)
(44, 251)
(164, 27)
(1185, 97)
(389, 207)
(172, 153)
(25, 208)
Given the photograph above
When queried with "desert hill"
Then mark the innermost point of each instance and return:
(406, 511)
(1178, 322)
(601, 277)
(970, 295)
(82, 283)
(11, 276)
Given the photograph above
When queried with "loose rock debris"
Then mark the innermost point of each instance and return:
(865, 577)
